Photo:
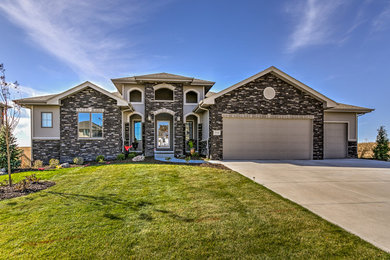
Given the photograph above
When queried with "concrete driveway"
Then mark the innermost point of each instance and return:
(352, 193)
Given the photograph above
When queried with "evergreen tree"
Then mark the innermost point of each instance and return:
(15, 152)
(381, 150)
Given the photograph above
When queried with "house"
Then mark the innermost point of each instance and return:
(270, 115)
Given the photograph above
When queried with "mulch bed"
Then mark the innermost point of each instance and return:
(7, 192)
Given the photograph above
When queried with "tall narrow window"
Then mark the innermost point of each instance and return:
(46, 119)
(189, 130)
(137, 131)
(90, 125)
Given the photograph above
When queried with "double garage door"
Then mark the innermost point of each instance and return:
(279, 139)
(258, 138)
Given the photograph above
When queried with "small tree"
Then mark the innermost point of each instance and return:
(381, 150)
(14, 151)
(10, 114)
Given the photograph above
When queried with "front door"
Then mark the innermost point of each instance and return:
(163, 135)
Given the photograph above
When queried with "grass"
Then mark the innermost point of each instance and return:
(165, 211)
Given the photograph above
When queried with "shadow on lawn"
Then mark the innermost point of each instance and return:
(112, 199)
(103, 200)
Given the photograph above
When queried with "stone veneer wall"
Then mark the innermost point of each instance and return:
(248, 99)
(45, 150)
(203, 148)
(71, 146)
(352, 149)
(152, 106)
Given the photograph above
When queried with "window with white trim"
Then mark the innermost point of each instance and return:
(90, 125)
(135, 96)
(191, 97)
(163, 94)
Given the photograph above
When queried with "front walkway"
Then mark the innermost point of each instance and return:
(352, 193)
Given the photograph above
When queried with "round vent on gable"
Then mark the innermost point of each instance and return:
(269, 93)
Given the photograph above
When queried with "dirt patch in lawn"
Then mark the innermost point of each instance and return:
(7, 192)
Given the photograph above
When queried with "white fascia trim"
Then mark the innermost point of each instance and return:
(296, 83)
(45, 138)
(56, 100)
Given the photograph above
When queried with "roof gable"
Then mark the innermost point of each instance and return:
(56, 100)
(329, 102)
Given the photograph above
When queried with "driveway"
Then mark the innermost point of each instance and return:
(352, 193)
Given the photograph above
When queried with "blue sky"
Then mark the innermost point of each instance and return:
(340, 48)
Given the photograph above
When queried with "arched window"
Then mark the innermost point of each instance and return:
(191, 97)
(163, 94)
(135, 96)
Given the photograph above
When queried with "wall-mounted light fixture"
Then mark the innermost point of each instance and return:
(149, 118)
(178, 118)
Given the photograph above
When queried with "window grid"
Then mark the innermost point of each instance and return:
(46, 119)
(90, 125)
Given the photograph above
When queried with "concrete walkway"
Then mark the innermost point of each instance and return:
(352, 193)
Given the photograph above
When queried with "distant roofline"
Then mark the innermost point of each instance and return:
(161, 77)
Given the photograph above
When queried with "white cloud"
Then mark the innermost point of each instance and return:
(382, 21)
(314, 24)
(23, 130)
(79, 33)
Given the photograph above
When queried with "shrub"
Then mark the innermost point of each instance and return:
(381, 150)
(168, 159)
(188, 158)
(100, 158)
(120, 157)
(38, 164)
(78, 160)
(54, 163)
(132, 155)
(195, 154)
(25, 184)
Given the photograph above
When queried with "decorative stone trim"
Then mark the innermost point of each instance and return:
(163, 110)
(261, 116)
(46, 138)
(90, 109)
(163, 85)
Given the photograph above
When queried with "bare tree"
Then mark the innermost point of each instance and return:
(11, 112)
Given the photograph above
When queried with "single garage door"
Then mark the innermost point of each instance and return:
(335, 140)
(255, 138)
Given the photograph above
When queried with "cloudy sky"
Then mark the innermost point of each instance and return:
(340, 48)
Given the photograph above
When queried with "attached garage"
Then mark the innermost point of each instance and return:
(335, 140)
(267, 138)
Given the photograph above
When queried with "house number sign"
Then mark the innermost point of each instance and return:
(216, 132)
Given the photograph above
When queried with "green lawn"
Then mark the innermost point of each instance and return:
(165, 211)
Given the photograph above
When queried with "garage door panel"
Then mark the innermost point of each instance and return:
(335, 140)
(245, 138)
